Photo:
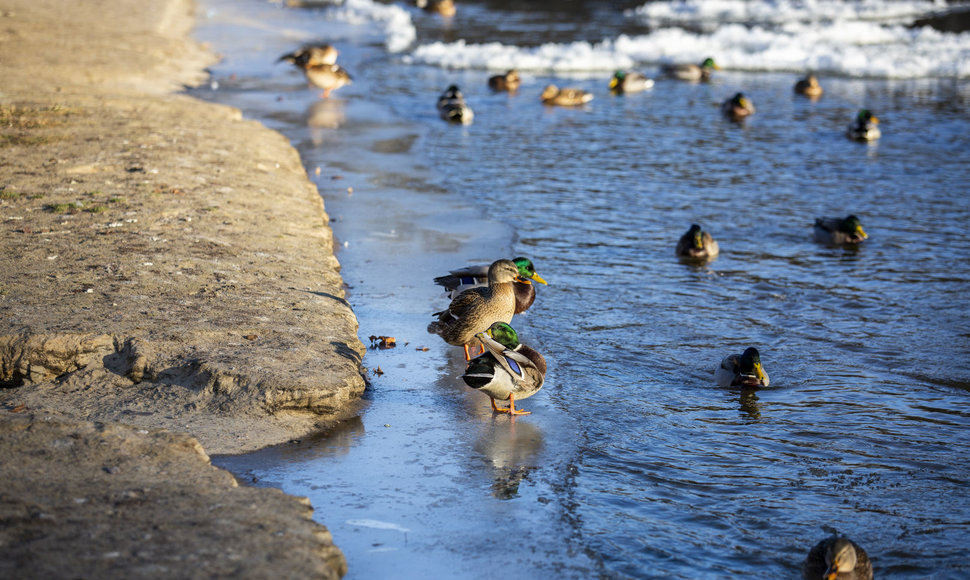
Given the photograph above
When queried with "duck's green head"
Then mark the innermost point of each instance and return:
(503, 334)
(742, 101)
(618, 77)
(697, 236)
(851, 225)
(709, 63)
(866, 116)
(527, 271)
(751, 365)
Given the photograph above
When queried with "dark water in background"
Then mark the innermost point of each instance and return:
(633, 464)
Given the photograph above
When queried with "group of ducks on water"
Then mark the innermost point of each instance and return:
(319, 65)
(863, 128)
(485, 298)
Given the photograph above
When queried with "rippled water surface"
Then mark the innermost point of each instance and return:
(633, 464)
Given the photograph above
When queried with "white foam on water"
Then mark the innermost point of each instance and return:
(704, 13)
(866, 38)
(398, 28)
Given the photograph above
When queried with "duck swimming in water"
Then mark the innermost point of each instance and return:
(697, 245)
(690, 72)
(838, 231)
(865, 127)
(837, 558)
(742, 370)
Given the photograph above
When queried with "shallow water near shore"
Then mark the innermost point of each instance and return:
(632, 463)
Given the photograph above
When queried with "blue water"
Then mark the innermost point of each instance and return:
(633, 464)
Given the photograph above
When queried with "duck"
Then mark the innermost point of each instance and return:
(319, 54)
(442, 7)
(737, 107)
(809, 87)
(507, 370)
(452, 107)
(319, 65)
(837, 558)
(691, 72)
(697, 245)
(629, 82)
(865, 127)
(474, 310)
(457, 281)
(553, 95)
(509, 81)
(742, 370)
(838, 231)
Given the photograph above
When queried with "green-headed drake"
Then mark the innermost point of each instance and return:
(865, 127)
(629, 82)
(737, 107)
(510, 81)
(837, 558)
(553, 95)
(696, 245)
(457, 281)
(690, 72)
(742, 370)
(452, 107)
(474, 310)
(809, 86)
(507, 371)
(838, 231)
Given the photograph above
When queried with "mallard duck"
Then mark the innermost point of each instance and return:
(510, 81)
(865, 127)
(691, 72)
(839, 231)
(737, 107)
(327, 77)
(476, 309)
(742, 370)
(629, 82)
(553, 95)
(319, 65)
(837, 558)
(457, 281)
(320, 54)
(507, 370)
(697, 245)
(452, 107)
(442, 7)
(809, 87)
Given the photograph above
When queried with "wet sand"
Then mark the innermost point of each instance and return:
(169, 290)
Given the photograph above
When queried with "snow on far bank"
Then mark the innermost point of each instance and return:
(865, 38)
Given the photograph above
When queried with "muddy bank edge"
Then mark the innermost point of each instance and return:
(168, 266)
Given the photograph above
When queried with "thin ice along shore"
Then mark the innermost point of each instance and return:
(169, 290)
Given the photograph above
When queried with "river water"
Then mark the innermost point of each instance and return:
(633, 464)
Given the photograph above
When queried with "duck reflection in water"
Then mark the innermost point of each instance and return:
(749, 405)
(511, 450)
(323, 115)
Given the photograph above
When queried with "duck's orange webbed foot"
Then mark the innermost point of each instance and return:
(496, 408)
(513, 410)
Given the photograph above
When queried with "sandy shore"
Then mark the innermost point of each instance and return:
(167, 266)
